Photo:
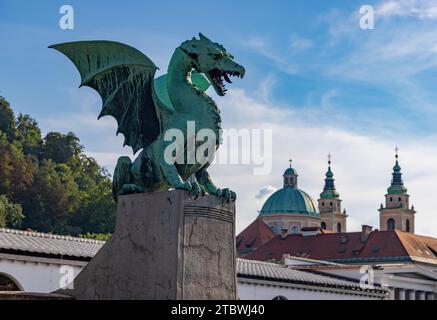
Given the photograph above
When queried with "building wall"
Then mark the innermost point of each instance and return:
(288, 221)
(39, 275)
(331, 219)
(400, 216)
(406, 281)
(264, 290)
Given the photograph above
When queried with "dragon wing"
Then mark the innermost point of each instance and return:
(123, 76)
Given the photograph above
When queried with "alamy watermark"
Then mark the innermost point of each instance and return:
(367, 20)
(367, 281)
(66, 281)
(242, 146)
(66, 22)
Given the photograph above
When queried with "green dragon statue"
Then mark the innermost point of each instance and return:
(145, 107)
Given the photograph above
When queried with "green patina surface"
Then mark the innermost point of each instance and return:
(145, 107)
(397, 185)
(329, 191)
(290, 201)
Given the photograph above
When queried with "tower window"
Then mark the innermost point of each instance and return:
(390, 224)
(400, 199)
(323, 225)
(391, 199)
(407, 228)
(330, 204)
(294, 230)
(323, 204)
(339, 227)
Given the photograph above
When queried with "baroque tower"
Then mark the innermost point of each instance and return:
(397, 213)
(333, 219)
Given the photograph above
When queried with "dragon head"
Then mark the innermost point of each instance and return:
(214, 61)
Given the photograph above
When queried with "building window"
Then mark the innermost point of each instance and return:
(390, 224)
(7, 284)
(273, 228)
(400, 199)
(338, 227)
(391, 199)
(407, 228)
(330, 204)
(279, 298)
(323, 204)
(323, 225)
(294, 230)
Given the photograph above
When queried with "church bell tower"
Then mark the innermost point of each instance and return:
(333, 219)
(397, 213)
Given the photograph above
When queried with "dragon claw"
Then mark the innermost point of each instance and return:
(228, 194)
(197, 190)
(130, 189)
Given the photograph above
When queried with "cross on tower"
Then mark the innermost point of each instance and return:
(291, 161)
(397, 150)
(329, 158)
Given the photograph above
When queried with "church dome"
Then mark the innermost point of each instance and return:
(290, 201)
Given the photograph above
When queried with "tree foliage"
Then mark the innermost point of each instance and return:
(6, 119)
(51, 180)
(11, 215)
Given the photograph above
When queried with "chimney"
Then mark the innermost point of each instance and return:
(365, 232)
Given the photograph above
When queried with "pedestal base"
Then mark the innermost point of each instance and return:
(166, 246)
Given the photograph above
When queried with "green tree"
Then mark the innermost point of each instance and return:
(58, 187)
(61, 148)
(16, 170)
(7, 120)
(54, 198)
(28, 134)
(97, 211)
(11, 215)
(96, 236)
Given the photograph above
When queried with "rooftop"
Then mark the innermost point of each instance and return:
(254, 236)
(275, 272)
(379, 246)
(48, 245)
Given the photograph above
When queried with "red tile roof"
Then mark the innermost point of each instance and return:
(254, 236)
(419, 246)
(380, 246)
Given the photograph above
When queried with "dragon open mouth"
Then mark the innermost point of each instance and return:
(218, 78)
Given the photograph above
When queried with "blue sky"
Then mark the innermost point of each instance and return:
(327, 85)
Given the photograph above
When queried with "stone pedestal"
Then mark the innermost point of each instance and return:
(166, 246)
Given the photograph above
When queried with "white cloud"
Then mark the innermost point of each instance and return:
(362, 164)
(298, 43)
(422, 9)
(396, 58)
(265, 192)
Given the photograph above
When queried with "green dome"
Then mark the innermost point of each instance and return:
(397, 189)
(290, 172)
(291, 201)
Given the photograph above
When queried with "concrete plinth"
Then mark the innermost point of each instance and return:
(166, 246)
